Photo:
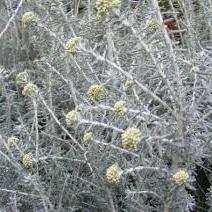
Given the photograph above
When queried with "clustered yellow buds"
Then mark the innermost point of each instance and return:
(128, 84)
(113, 174)
(70, 46)
(88, 138)
(28, 18)
(12, 141)
(152, 26)
(194, 69)
(96, 92)
(120, 108)
(22, 77)
(27, 160)
(158, 44)
(130, 139)
(30, 89)
(55, 4)
(103, 6)
(72, 117)
(181, 177)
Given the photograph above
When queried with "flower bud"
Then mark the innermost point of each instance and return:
(181, 177)
(113, 174)
(130, 139)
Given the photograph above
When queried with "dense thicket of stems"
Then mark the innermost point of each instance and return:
(105, 108)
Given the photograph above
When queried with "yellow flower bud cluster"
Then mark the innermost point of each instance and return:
(96, 92)
(194, 69)
(55, 4)
(27, 160)
(12, 141)
(152, 26)
(88, 138)
(120, 108)
(72, 117)
(70, 46)
(103, 6)
(157, 44)
(130, 139)
(128, 85)
(28, 18)
(181, 177)
(30, 89)
(113, 174)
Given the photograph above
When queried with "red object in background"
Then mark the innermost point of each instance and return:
(170, 23)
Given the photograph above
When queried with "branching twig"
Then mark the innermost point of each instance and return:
(11, 19)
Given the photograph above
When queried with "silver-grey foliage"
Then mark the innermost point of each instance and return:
(161, 71)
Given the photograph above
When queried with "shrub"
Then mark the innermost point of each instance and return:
(105, 106)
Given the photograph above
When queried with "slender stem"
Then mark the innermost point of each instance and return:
(11, 19)
(36, 127)
(116, 147)
(100, 124)
(141, 168)
(18, 192)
